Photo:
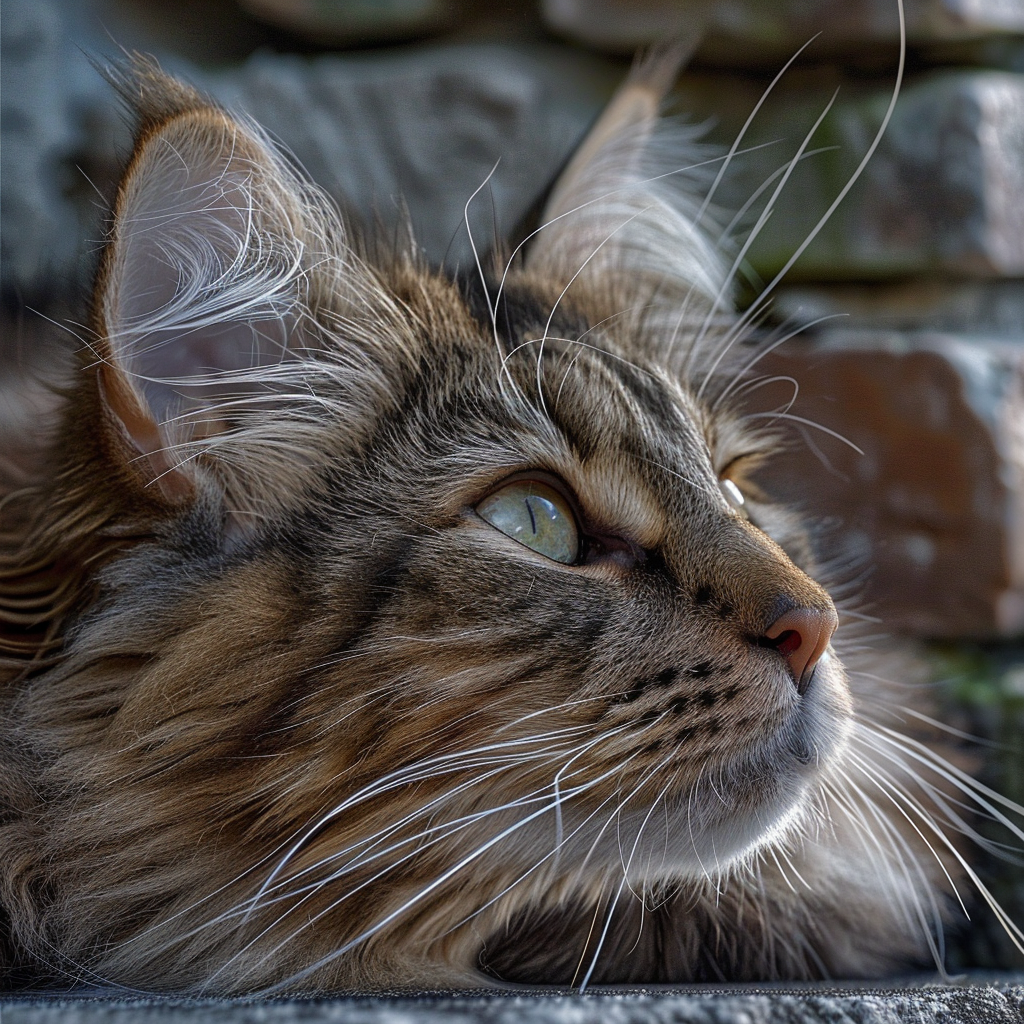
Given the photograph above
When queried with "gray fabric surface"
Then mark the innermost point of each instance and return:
(996, 1002)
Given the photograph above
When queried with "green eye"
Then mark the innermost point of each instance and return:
(536, 515)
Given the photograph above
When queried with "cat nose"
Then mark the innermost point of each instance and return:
(801, 636)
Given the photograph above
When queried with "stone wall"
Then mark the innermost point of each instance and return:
(913, 289)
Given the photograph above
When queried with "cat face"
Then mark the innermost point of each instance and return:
(406, 604)
(636, 633)
(641, 636)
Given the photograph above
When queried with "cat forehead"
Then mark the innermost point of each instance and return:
(517, 387)
(519, 351)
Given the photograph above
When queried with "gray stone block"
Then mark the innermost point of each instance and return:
(46, 105)
(422, 127)
(941, 195)
(751, 31)
(425, 126)
(930, 517)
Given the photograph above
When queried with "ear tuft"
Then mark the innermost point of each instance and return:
(150, 95)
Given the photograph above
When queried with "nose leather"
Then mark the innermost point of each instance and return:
(801, 636)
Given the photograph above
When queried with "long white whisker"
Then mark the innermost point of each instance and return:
(906, 861)
(761, 189)
(985, 797)
(476, 255)
(743, 131)
(851, 181)
(899, 797)
(547, 326)
(748, 366)
(745, 248)
(806, 422)
(426, 768)
(463, 862)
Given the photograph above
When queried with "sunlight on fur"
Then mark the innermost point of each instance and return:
(298, 695)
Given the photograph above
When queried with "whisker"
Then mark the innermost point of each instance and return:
(755, 232)
(476, 255)
(547, 326)
(806, 422)
(448, 873)
(746, 124)
(747, 367)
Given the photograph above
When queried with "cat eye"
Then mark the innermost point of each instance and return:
(537, 516)
(734, 496)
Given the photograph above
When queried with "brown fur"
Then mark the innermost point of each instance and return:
(284, 711)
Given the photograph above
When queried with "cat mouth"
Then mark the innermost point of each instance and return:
(755, 794)
(688, 813)
(762, 792)
(808, 736)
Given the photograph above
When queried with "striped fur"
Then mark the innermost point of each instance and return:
(282, 712)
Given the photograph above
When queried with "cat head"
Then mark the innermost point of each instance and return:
(402, 600)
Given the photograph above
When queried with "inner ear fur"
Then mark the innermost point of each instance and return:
(203, 287)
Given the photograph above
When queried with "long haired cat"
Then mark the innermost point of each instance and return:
(369, 628)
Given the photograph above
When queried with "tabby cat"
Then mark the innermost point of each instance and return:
(372, 628)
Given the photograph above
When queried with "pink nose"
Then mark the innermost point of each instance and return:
(801, 636)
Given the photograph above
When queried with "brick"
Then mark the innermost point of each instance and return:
(932, 512)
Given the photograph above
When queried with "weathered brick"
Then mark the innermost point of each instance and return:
(935, 504)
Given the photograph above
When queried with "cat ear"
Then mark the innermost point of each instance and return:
(203, 284)
(624, 211)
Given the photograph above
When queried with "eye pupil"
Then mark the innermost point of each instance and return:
(533, 518)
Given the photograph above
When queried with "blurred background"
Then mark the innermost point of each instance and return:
(913, 291)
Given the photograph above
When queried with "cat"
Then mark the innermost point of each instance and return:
(371, 628)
